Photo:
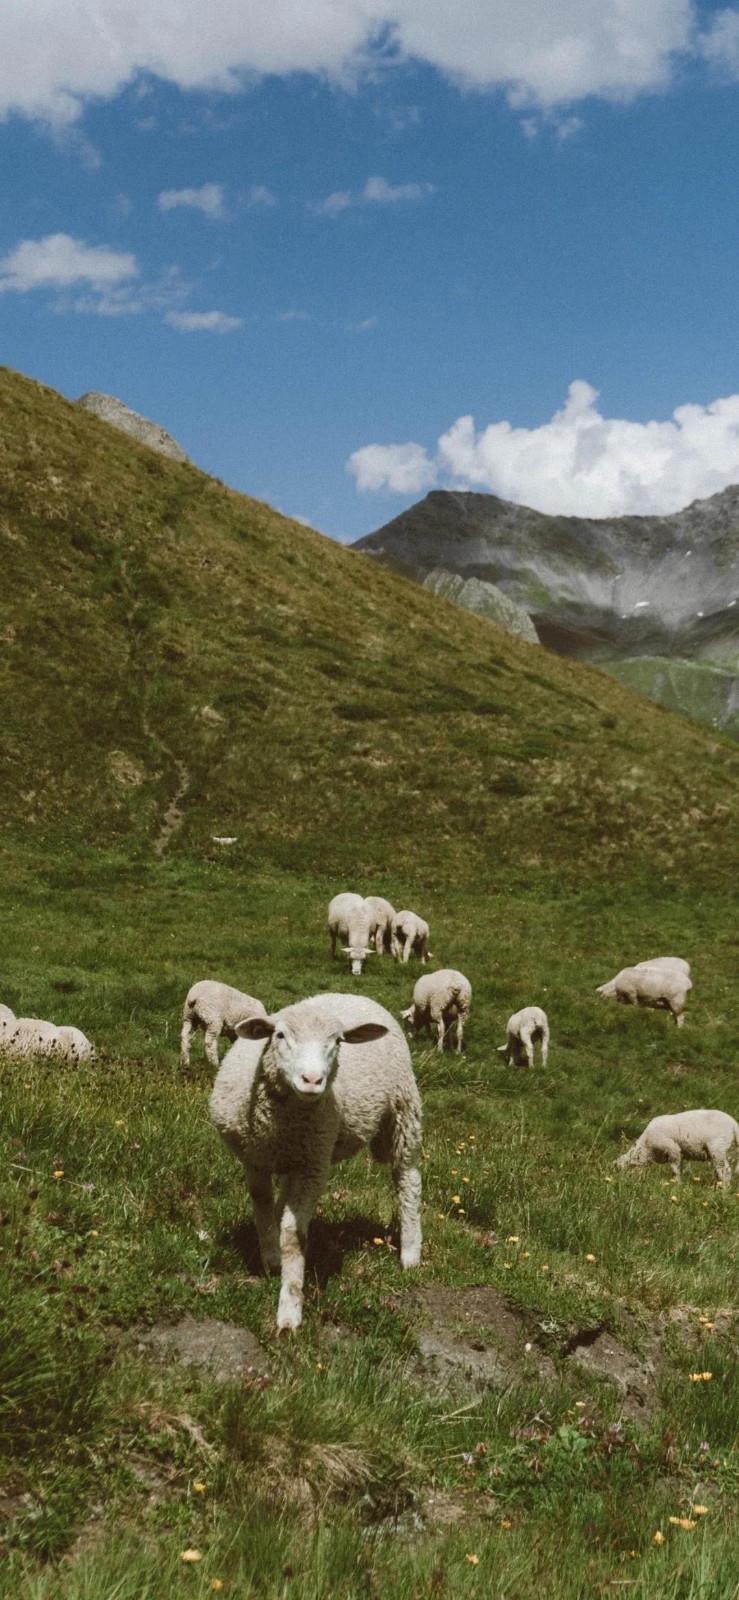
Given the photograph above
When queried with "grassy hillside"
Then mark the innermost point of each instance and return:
(165, 643)
(700, 689)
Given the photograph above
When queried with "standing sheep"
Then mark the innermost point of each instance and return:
(350, 921)
(693, 1135)
(216, 1008)
(410, 936)
(524, 1029)
(663, 988)
(8, 1021)
(305, 1088)
(382, 916)
(443, 998)
(667, 963)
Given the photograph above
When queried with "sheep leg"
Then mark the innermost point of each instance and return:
(460, 1032)
(440, 1034)
(333, 936)
(529, 1049)
(722, 1169)
(299, 1200)
(544, 1049)
(185, 1036)
(212, 1035)
(260, 1189)
(676, 1166)
(424, 951)
(407, 947)
(407, 1180)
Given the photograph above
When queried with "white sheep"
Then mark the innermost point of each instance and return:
(216, 1008)
(302, 1089)
(667, 963)
(382, 916)
(8, 1021)
(73, 1044)
(661, 987)
(32, 1037)
(524, 1029)
(350, 921)
(410, 937)
(693, 1135)
(443, 998)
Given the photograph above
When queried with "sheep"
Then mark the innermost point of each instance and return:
(524, 1029)
(444, 998)
(696, 1135)
(351, 921)
(382, 918)
(410, 936)
(306, 1087)
(216, 1008)
(657, 986)
(8, 1021)
(666, 963)
(32, 1037)
(74, 1045)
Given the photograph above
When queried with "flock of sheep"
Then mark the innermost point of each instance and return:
(319, 1080)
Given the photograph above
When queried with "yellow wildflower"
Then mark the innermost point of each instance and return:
(474, 1560)
(590, 1258)
(658, 1538)
(199, 1487)
(683, 1522)
(191, 1555)
(699, 1511)
(456, 1199)
(58, 1173)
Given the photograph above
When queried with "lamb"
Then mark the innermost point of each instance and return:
(32, 1037)
(410, 936)
(524, 1029)
(350, 920)
(695, 1135)
(382, 918)
(73, 1044)
(216, 1008)
(658, 986)
(443, 998)
(8, 1021)
(667, 964)
(335, 1074)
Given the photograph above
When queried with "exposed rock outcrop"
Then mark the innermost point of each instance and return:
(121, 416)
(475, 594)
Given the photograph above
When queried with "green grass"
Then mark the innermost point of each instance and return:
(551, 826)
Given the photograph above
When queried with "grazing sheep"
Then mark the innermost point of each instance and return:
(32, 1037)
(216, 1008)
(657, 986)
(8, 1021)
(382, 918)
(302, 1089)
(410, 936)
(443, 998)
(350, 921)
(74, 1045)
(524, 1029)
(695, 1135)
(667, 963)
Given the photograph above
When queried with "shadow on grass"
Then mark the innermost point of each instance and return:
(328, 1244)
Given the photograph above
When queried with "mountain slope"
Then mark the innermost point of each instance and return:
(163, 637)
(606, 590)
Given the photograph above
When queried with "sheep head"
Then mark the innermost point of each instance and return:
(304, 1046)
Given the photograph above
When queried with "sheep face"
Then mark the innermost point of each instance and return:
(357, 954)
(304, 1053)
(635, 1157)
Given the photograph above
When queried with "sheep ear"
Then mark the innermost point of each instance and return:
(255, 1028)
(363, 1033)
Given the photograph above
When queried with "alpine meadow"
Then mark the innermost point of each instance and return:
(213, 720)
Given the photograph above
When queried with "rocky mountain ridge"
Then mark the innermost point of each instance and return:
(614, 591)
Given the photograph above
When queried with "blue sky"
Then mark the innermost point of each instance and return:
(349, 252)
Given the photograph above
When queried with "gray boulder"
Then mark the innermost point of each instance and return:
(486, 599)
(120, 416)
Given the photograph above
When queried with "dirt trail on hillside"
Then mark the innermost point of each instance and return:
(173, 816)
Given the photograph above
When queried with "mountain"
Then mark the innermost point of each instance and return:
(652, 590)
(173, 652)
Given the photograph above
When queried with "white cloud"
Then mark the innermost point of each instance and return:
(58, 261)
(203, 321)
(209, 199)
(720, 42)
(56, 54)
(260, 195)
(579, 463)
(400, 468)
(293, 316)
(376, 191)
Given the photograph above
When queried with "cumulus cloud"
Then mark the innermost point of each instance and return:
(720, 42)
(56, 54)
(401, 468)
(209, 199)
(579, 463)
(203, 321)
(57, 261)
(376, 191)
